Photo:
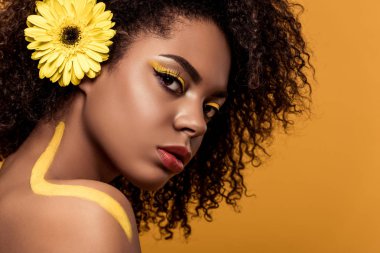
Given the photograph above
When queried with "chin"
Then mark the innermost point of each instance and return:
(151, 185)
(149, 176)
(150, 181)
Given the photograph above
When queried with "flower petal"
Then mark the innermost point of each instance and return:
(39, 54)
(108, 43)
(44, 58)
(105, 57)
(49, 69)
(98, 47)
(91, 74)
(88, 11)
(59, 61)
(107, 15)
(34, 32)
(83, 62)
(29, 39)
(59, 9)
(105, 34)
(80, 6)
(38, 45)
(98, 9)
(43, 38)
(93, 55)
(56, 77)
(74, 79)
(95, 66)
(60, 82)
(44, 10)
(67, 73)
(39, 21)
(41, 74)
(77, 69)
(53, 56)
(68, 6)
(62, 67)
(102, 24)
(109, 26)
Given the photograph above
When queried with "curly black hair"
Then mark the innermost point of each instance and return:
(268, 83)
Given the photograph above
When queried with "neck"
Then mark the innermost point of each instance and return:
(77, 156)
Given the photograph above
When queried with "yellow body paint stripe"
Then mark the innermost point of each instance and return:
(41, 186)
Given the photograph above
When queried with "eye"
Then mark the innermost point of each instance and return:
(170, 82)
(169, 78)
(211, 109)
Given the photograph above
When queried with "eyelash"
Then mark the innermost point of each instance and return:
(165, 78)
(163, 73)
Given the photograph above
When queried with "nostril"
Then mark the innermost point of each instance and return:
(196, 131)
(190, 119)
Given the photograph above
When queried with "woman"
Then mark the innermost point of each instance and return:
(123, 113)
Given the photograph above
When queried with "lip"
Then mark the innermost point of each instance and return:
(174, 157)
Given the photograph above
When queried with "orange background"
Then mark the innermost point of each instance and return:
(320, 190)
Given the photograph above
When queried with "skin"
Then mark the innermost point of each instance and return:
(113, 127)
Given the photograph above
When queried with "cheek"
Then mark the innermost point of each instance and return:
(139, 96)
(126, 99)
(195, 144)
(126, 117)
(125, 110)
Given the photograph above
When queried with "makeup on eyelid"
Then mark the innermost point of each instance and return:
(215, 105)
(164, 70)
(215, 108)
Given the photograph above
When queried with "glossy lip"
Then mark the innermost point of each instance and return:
(180, 152)
(174, 157)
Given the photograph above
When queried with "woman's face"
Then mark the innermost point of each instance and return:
(160, 94)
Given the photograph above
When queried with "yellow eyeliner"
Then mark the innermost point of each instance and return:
(40, 186)
(161, 69)
(215, 105)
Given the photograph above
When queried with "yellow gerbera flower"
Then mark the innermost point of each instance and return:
(70, 38)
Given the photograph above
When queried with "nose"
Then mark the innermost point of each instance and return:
(190, 119)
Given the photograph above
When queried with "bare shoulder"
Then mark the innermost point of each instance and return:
(71, 224)
(94, 227)
(109, 190)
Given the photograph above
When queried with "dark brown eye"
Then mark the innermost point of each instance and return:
(170, 82)
(211, 110)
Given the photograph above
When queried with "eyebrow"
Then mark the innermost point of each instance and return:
(192, 72)
(186, 65)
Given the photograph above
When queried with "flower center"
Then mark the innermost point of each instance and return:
(70, 35)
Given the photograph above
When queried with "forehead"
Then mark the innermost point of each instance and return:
(201, 43)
